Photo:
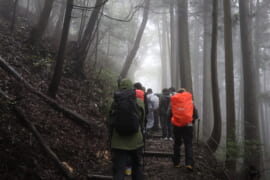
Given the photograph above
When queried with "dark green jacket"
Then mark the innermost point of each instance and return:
(133, 141)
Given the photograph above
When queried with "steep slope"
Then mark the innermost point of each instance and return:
(22, 156)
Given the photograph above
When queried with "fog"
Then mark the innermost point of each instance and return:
(219, 53)
(149, 69)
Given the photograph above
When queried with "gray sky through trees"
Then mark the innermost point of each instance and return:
(148, 72)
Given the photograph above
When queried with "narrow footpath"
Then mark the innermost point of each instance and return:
(158, 163)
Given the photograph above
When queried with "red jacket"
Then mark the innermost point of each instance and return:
(140, 94)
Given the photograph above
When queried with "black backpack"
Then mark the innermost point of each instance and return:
(164, 103)
(126, 112)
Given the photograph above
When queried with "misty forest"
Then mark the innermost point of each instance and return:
(61, 62)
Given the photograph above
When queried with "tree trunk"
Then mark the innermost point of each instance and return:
(132, 53)
(96, 48)
(37, 5)
(183, 45)
(14, 16)
(231, 138)
(87, 38)
(57, 30)
(167, 50)
(53, 87)
(207, 94)
(6, 8)
(83, 18)
(214, 140)
(196, 57)
(165, 54)
(108, 44)
(174, 63)
(261, 23)
(250, 76)
(163, 50)
(27, 9)
(39, 29)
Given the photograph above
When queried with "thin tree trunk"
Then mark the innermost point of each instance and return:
(214, 140)
(6, 8)
(109, 43)
(196, 58)
(207, 94)
(96, 48)
(231, 138)
(174, 73)
(250, 75)
(163, 51)
(40, 28)
(258, 40)
(59, 24)
(13, 16)
(183, 41)
(132, 53)
(82, 24)
(167, 51)
(53, 87)
(87, 37)
(27, 9)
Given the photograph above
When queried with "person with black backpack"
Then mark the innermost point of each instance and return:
(166, 124)
(126, 119)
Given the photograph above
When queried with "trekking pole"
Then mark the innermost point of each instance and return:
(198, 130)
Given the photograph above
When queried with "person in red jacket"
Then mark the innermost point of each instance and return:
(140, 93)
(183, 113)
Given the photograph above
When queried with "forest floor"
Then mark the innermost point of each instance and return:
(84, 149)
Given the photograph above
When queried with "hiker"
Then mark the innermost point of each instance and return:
(153, 103)
(166, 125)
(140, 93)
(172, 91)
(156, 116)
(145, 106)
(125, 120)
(183, 114)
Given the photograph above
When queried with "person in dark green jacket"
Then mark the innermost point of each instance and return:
(125, 148)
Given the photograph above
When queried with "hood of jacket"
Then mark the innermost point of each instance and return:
(126, 84)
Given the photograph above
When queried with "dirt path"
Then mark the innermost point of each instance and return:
(161, 168)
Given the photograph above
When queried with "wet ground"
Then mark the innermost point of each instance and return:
(159, 165)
